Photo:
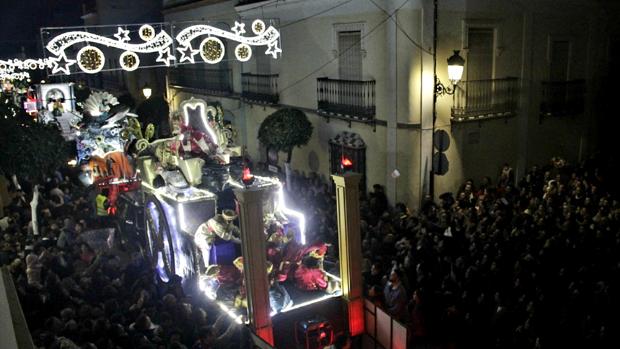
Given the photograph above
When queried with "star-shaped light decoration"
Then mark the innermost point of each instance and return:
(273, 49)
(122, 35)
(239, 28)
(61, 63)
(165, 57)
(187, 53)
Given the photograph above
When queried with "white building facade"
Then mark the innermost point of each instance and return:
(366, 67)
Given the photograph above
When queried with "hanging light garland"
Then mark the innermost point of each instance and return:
(91, 59)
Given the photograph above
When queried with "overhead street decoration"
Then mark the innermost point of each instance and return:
(88, 49)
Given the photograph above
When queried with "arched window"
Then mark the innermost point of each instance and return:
(349, 146)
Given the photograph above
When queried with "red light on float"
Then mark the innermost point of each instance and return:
(247, 174)
(248, 177)
(356, 317)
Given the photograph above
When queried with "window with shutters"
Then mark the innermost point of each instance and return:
(350, 55)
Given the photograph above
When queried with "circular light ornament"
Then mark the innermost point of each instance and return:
(243, 52)
(90, 59)
(129, 61)
(146, 32)
(212, 50)
(258, 26)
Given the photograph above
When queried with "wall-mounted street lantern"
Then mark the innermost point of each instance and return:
(456, 63)
(147, 91)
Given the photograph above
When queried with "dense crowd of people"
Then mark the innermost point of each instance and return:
(532, 263)
(527, 263)
(76, 293)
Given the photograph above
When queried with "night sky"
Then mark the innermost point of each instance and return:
(22, 20)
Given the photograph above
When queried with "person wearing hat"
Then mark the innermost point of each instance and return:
(219, 227)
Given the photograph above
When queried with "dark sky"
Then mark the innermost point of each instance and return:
(20, 21)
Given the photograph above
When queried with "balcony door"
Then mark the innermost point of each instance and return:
(350, 59)
(480, 67)
(558, 74)
(263, 64)
(349, 66)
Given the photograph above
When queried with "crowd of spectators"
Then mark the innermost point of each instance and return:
(527, 263)
(532, 262)
(76, 294)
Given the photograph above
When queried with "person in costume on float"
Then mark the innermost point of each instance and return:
(219, 227)
(278, 296)
(317, 250)
(210, 281)
(274, 251)
(292, 253)
(309, 276)
(193, 141)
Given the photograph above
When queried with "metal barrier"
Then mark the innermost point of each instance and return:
(382, 331)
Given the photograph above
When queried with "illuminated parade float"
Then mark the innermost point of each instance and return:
(208, 219)
(201, 215)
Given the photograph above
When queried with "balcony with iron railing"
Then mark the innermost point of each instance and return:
(562, 98)
(482, 99)
(216, 82)
(348, 99)
(259, 88)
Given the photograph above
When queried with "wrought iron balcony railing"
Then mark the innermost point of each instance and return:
(480, 99)
(209, 81)
(259, 88)
(561, 98)
(350, 99)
